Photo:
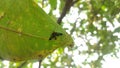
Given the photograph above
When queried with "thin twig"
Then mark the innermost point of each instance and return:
(66, 8)
(40, 63)
(73, 29)
(74, 26)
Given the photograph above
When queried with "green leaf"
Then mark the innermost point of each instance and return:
(53, 3)
(117, 30)
(62, 3)
(27, 32)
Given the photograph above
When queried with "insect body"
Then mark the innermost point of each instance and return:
(54, 35)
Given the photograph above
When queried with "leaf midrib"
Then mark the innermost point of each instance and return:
(22, 33)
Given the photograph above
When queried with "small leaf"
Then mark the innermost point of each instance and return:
(53, 3)
(117, 30)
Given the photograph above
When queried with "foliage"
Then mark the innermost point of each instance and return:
(94, 26)
(27, 32)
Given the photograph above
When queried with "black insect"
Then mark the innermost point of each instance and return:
(54, 35)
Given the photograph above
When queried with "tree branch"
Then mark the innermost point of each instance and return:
(40, 63)
(66, 8)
